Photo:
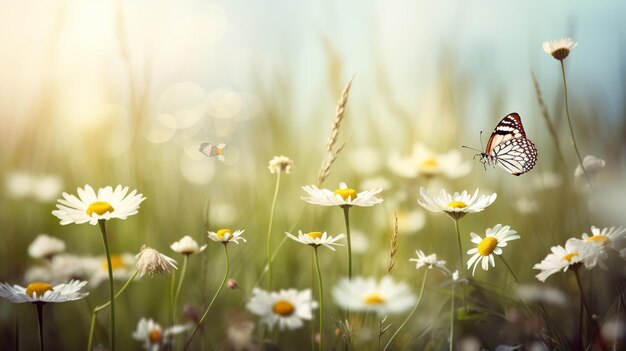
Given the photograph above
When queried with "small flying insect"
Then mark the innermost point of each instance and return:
(211, 150)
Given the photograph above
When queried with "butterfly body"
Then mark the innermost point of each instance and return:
(509, 148)
(211, 150)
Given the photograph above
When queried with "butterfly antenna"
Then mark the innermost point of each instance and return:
(481, 140)
(471, 148)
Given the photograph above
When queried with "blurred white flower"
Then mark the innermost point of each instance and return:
(379, 182)
(151, 262)
(18, 184)
(287, 308)
(360, 241)
(547, 180)
(614, 238)
(41, 292)
(428, 163)
(122, 267)
(153, 336)
(367, 295)
(45, 246)
(222, 213)
(61, 268)
(187, 246)
(559, 48)
(280, 164)
(317, 239)
(46, 188)
(563, 258)
(90, 207)
(364, 161)
(531, 293)
(613, 330)
(226, 235)
(495, 239)
(410, 223)
(526, 205)
(343, 197)
(592, 165)
(429, 261)
(457, 205)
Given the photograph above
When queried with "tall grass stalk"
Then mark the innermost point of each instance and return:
(269, 234)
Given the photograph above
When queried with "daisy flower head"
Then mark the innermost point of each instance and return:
(287, 308)
(42, 292)
(429, 261)
(280, 164)
(559, 48)
(316, 239)
(343, 197)
(368, 295)
(45, 246)
(614, 238)
(187, 246)
(151, 262)
(153, 335)
(90, 207)
(429, 163)
(122, 267)
(569, 257)
(495, 239)
(226, 235)
(456, 205)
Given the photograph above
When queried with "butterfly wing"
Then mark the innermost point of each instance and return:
(517, 156)
(510, 127)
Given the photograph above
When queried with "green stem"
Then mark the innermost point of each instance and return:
(582, 295)
(100, 308)
(419, 299)
(180, 285)
(571, 129)
(40, 319)
(269, 234)
(321, 295)
(103, 230)
(452, 320)
(461, 270)
(510, 270)
(213, 299)
(346, 216)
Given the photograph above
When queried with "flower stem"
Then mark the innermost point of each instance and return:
(213, 299)
(346, 216)
(582, 295)
(103, 230)
(180, 285)
(571, 129)
(461, 270)
(509, 268)
(452, 320)
(40, 319)
(269, 234)
(419, 299)
(321, 295)
(101, 307)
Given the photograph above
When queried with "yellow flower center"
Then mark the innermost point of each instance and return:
(486, 246)
(117, 262)
(457, 204)
(220, 233)
(569, 256)
(430, 162)
(598, 239)
(100, 208)
(38, 288)
(374, 299)
(219, 151)
(346, 193)
(315, 235)
(284, 308)
(155, 335)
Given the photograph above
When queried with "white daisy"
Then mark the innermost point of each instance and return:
(559, 48)
(46, 188)
(564, 258)
(61, 268)
(429, 261)
(367, 295)
(614, 238)
(226, 235)
(18, 184)
(187, 246)
(122, 266)
(152, 262)
(153, 336)
(592, 166)
(495, 239)
(45, 246)
(344, 196)
(317, 239)
(41, 292)
(457, 205)
(429, 163)
(280, 164)
(91, 207)
(287, 308)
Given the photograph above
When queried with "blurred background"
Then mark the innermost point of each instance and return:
(124, 92)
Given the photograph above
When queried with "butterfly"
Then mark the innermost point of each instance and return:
(211, 150)
(509, 148)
